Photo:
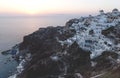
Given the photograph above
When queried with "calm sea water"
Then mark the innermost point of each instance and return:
(12, 30)
(7, 66)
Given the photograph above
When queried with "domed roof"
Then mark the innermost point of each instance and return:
(114, 10)
(101, 11)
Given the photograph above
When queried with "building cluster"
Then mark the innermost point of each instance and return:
(89, 32)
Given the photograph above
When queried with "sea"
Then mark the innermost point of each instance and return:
(12, 31)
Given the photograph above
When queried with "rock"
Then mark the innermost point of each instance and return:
(81, 48)
(6, 52)
(106, 61)
(48, 58)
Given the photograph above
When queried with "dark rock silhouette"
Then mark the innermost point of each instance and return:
(82, 48)
(44, 46)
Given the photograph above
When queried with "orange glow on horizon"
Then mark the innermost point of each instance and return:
(34, 7)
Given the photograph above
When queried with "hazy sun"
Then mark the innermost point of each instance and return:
(32, 7)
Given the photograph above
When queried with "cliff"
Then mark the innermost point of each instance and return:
(82, 48)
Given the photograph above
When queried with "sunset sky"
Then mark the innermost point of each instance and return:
(34, 7)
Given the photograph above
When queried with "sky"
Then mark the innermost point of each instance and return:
(42, 7)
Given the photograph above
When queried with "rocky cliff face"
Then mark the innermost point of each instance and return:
(50, 59)
(83, 48)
